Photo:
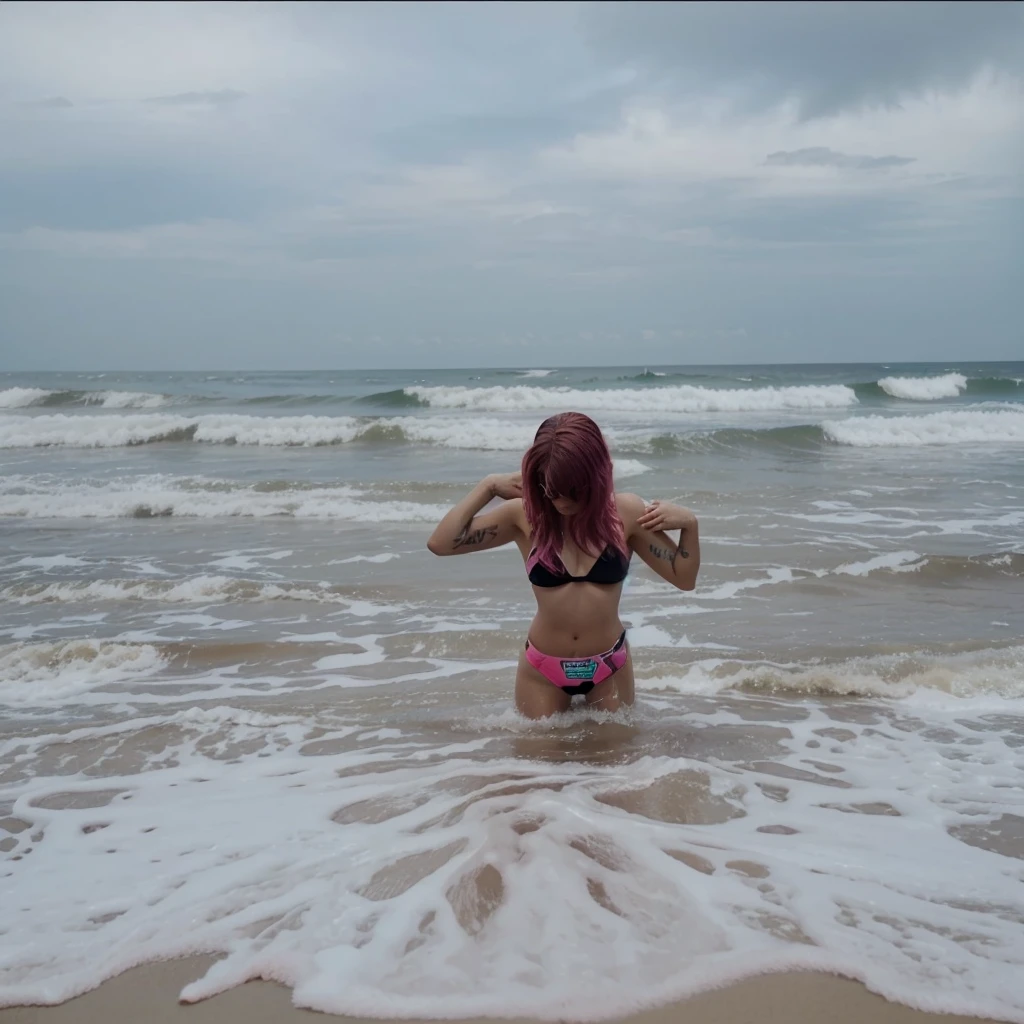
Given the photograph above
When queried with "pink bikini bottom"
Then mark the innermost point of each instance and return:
(579, 675)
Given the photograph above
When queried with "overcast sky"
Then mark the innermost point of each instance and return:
(190, 186)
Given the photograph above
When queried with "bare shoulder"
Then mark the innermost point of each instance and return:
(513, 513)
(631, 507)
(513, 517)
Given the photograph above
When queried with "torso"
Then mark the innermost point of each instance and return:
(578, 618)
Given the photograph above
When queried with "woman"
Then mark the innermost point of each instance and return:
(576, 536)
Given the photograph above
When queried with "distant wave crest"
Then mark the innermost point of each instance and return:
(938, 428)
(20, 398)
(998, 426)
(115, 431)
(923, 389)
(681, 399)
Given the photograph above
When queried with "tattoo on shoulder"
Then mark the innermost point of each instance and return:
(469, 538)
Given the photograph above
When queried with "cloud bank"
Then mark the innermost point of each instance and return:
(209, 185)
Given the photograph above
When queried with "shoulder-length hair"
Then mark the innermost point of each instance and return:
(569, 457)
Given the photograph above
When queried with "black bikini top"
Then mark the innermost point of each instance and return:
(610, 568)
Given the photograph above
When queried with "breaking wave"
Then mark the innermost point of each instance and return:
(20, 398)
(923, 389)
(677, 399)
(938, 428)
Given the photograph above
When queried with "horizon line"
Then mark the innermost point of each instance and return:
(572, 366)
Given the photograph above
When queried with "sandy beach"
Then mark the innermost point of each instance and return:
(149, 994)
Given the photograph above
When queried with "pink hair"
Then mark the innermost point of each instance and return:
(570, 456)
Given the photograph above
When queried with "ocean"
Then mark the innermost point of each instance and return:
(244, 711)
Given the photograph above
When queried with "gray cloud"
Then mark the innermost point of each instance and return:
(213, 97)
(822, 156)
(828, 56)
(51, 103)
(451, 139)
(120, 198)
(509, 171)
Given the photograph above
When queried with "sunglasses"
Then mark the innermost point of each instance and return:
(553, 495)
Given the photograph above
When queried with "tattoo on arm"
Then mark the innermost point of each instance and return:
(468, 538)
(669, 554)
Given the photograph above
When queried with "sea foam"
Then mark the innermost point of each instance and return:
(64, 670)
(126, 399)
(146, 497)
(129, 429)
(937, 428)
(966, 680)
(624, 468)
(452, 881)
(19, 398)
(202, 589)
(483, 433)
(923, 389)
(682, 399)
(112, 431)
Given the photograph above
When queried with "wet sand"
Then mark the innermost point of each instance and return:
(150, 993)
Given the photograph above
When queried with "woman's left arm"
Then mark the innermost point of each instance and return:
(678, 562)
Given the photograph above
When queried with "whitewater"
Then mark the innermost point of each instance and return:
(245, 712)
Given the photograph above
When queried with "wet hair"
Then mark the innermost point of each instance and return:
(569, 457)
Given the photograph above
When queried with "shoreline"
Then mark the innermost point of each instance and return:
(150, 993)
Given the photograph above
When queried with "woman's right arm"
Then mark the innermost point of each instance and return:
(462, 530)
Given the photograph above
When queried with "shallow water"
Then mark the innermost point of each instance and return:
(245, 711)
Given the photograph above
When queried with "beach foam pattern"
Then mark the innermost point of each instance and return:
(378, 878)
